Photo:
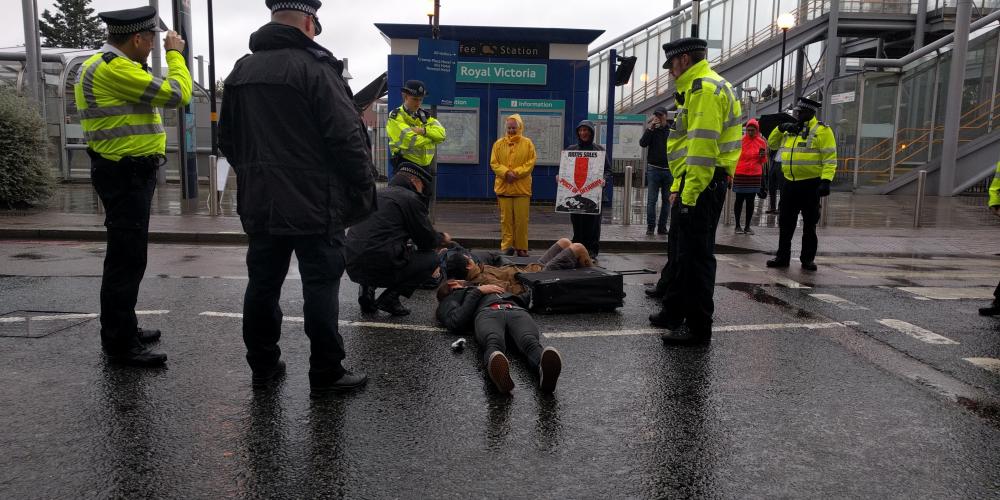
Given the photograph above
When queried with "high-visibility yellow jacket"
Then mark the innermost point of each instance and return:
(117, 101)
(995, 188)
(808, 155)
(513, 154)
(707, 133)
(415, 148)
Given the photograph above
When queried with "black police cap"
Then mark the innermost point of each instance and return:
(682, 46)
(805, 103)
(415, 88)
(308, 6)
(414, 170)
(137, 20)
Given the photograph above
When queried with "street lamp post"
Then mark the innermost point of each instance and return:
(785, 21)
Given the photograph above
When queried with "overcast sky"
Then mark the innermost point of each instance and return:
(348, 26)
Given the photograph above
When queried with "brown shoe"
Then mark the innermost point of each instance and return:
(498, 369)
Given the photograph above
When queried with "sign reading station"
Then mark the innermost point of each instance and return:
(519, 50)
(513, 74)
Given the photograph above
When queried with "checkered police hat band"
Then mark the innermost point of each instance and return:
(308, 9)
(124, 29)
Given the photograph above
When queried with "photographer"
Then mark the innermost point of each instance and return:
(658, 178)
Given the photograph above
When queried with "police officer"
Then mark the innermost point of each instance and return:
(117, 99)
(413, 133)
(303, 161)
(702, 150)
(808, 156)
(994, 308)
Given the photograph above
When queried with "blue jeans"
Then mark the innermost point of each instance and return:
(658, 180)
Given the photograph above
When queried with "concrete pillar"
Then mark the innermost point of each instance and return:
(32, 85)
(953, 107)
(918, 34)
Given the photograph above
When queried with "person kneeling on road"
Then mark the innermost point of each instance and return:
(563, 254)
(495, 315)
(378, 251)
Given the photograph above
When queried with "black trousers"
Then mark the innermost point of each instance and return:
(796, 197)
(495, 326)
(749, 199)
(321, 264)
(587, 231)
(689, 294)
(774, 182)
(669, 271)
(996, 294)
(126, 189)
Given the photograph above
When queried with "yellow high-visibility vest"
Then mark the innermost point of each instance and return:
(117, 101)
(808, 155)
(416, 148)
(995, 188)
(707, 131)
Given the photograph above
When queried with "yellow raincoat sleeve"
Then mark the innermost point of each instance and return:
(497, 162)
(528, 165)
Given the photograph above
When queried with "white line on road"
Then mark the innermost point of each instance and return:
(988, 364)
(70, 316)
(949, 293)
(837, 301)
(364, 324)
(788, 283)
(916, 332)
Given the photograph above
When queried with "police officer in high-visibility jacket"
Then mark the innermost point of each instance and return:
(702, 150)
(117, 97)
(994, 308)
(808, 154)
(413, 133)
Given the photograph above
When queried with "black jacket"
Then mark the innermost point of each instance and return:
(299, 148)
(377, 247)
(457, 311)
(591, 146)
(656, 142)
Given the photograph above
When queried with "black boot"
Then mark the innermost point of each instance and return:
(134, 354)
(366, 299)
(147, 336)
(992, 310)
(776, 262)
(389, 302)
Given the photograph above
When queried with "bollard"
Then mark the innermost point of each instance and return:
(213, 185)
(921, 184)
(727, 207)
(627, 197)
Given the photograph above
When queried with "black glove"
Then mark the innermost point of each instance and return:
(679, 97)
(790, 127)
(824, 188)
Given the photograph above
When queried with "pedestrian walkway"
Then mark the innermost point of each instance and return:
(855, 224)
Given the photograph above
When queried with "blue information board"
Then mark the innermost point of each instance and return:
(436, 62)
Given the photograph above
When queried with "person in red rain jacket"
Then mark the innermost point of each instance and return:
(746, 182)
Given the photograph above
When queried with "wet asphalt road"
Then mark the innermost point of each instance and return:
(835, 410)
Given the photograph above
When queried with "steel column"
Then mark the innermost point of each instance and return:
(895, 128)
(953, 114)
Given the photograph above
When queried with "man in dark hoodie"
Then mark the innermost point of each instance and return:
(378, 250)
(304, 171)
(658, 178)
(587, 228)
(497, 315)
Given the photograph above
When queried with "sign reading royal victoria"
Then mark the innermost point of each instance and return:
(515, 50)
(504, 73)
(581, 179)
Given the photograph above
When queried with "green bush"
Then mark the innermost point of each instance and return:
(25, 179)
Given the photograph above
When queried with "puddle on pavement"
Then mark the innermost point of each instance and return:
(30, 256)
(757, 293)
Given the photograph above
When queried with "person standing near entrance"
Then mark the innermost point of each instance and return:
(808, 155)
(513, 160)
(994, 308)
(704, 147)
(117, 99)
(305, 174)
(413, 133)
(658, 178)
(747, 181)
(586, 227)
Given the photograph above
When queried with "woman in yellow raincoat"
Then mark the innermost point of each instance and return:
(512, 160)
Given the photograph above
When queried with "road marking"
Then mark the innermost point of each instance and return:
(988, 364)
(837, 301)
(363, 324)
(787, 283)
(917, 332)
(70, 316)
(949, 293)
(924, 274)
(657, 331)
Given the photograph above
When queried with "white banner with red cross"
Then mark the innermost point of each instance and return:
(580, 182)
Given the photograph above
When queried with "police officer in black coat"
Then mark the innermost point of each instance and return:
(304, 170)
(396, 248)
